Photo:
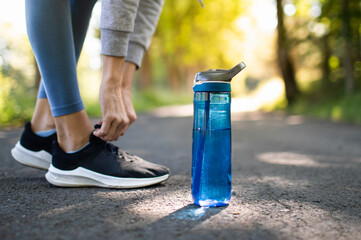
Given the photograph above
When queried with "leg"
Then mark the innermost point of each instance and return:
(53, 45)
(99, 163)
(80, 13)
(42, 119)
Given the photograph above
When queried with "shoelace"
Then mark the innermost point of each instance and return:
(114, 149)
(120, 153)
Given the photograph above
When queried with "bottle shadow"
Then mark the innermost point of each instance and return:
(194, 213)
(178, 222)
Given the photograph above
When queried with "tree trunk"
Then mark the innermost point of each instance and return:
(357, 56)
(284, 59)
(326, 54)
(347, 53)
(174, 77)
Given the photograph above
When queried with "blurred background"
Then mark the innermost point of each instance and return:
(303, 57)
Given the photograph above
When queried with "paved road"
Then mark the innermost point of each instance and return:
(293, 178)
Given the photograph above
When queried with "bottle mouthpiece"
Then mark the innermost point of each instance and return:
(219, 75)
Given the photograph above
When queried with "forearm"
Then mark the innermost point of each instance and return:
(118, 73)
(112, 71)
(128, 75)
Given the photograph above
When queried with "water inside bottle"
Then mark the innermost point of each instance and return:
(211, 153)
(211, 186)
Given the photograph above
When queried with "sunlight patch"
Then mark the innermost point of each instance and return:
(64, 210)
(288, 158)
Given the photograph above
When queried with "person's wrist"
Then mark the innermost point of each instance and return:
(110, 87)
(127, 89)
(128, 74)
(112, 81)
(112, 70)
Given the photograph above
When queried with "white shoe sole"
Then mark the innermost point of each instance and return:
(40, 159)
(81, 177)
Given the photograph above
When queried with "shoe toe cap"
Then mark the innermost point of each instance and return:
(160, 171)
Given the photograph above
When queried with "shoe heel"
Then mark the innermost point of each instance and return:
(40, 160)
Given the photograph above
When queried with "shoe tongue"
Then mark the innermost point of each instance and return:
(93, 138)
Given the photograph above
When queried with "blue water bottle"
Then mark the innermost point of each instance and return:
(211, 149)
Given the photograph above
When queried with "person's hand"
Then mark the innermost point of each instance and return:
(115, 120)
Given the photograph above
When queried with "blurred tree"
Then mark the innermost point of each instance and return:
(342, 20)
(190, 38)
(324, 41)
(285, 62)
(347, 45)
(17, 93)
(326, 54)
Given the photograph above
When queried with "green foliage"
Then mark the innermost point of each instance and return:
(190, 38)
(337, 107)
(150, 99)
(17, 93)
(325, 44)
(145, 100)
(16, 99)
(325, 40)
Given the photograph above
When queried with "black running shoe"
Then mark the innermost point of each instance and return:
(102, 164)
(33, 150)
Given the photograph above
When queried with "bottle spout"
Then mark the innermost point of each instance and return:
(222, 75)
(235, 70)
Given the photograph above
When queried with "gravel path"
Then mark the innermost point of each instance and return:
(293, 178)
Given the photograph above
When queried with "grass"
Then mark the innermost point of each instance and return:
(331, 105)
(147, 100)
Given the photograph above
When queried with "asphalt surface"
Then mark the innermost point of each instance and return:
(293, 178)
